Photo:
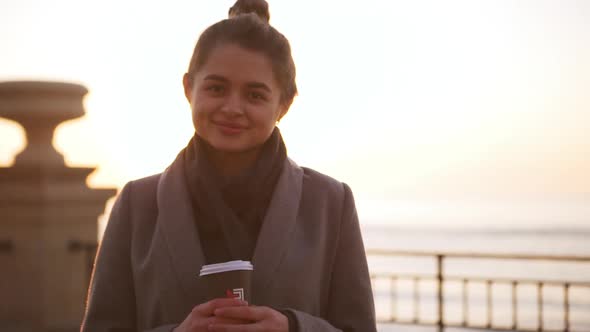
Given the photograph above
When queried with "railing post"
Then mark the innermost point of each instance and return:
(566, 307)
(393, 285)
(514, 305)
(540, 306)
(439, 292)
(416, 300)
(490, 304)
(465, 302)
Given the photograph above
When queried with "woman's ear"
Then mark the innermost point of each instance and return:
(187, 82)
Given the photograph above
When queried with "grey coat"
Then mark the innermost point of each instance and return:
(309, 257)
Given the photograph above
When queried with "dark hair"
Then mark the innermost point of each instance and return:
(247, 29)
(258, 7)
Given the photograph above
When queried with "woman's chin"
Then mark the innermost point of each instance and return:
(231, 147)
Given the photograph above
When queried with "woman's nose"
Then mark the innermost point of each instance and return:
(233, 104)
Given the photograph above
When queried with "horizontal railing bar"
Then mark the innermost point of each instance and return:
(519, 281)
(408, 322)
(429, 277)
(386, 252)
(403, 276)
(470, 327)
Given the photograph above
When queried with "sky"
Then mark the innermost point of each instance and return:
(462, 113)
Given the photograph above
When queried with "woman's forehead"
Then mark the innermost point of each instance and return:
(236, 63)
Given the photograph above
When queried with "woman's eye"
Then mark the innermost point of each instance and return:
(216, 89)
(257, 96)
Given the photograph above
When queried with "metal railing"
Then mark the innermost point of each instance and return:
(440, 278)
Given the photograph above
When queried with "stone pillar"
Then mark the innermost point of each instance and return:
(48, 216)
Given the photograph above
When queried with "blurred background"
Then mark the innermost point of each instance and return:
(460, 125)
(437, 113)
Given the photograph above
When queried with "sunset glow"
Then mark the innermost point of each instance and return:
(404, 100)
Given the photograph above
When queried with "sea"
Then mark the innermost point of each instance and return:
(536, 241)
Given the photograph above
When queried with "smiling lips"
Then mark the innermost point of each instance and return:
(229, 128)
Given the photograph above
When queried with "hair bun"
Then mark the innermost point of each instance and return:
(256, 7)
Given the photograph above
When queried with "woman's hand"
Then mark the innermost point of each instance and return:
(263, 319)
(201, 317)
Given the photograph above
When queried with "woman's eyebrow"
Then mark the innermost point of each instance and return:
(214, 77)
(259, 85)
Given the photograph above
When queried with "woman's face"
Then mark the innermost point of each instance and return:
(235, 99)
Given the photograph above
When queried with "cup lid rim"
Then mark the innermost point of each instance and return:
(236, 265)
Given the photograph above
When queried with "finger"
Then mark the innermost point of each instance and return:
(207, 308)
(234, 328)
(227, 321)
(251, 313)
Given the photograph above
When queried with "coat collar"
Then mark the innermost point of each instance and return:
(175, 220)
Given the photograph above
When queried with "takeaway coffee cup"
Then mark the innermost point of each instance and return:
(229, 279)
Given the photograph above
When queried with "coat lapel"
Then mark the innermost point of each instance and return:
(278, 225)
(176, 222)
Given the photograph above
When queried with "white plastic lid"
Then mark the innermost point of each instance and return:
(225, 267)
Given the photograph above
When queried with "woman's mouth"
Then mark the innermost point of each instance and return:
(229, 128)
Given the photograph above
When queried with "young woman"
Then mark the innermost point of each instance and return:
(233, 194)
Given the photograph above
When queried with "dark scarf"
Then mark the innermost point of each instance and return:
(229, 210)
